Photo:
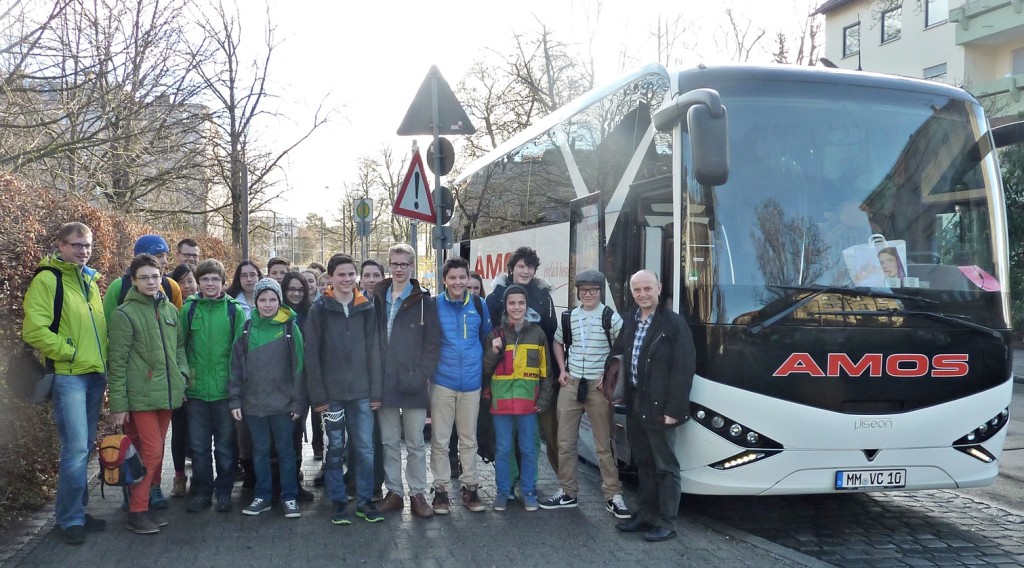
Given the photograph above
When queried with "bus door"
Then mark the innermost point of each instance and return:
(586, 240)
(651, 211)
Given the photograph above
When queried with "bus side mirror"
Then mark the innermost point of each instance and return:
(708, 125)
(709, 143)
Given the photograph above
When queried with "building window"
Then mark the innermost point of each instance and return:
(935, 12)
(891, 25)
(851, 40)
(1018, 61)
(935, 72)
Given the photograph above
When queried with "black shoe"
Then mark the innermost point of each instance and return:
(636, 524)
(197, 503)
(75, 534)
(658, 534)
(305, 495)
(369, 513)
(92, 524)
(224, 504)
(340, 516)
(319, 479)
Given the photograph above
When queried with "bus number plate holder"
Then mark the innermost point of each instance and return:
(867, 479)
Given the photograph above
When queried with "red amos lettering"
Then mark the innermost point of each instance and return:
(491, 265)
(872, 364)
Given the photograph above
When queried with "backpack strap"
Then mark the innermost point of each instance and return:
(126, 285)
(245, 336)
(479, 305)
(165, 283)
(188, 321)
(566, 329)
(58, 304)
(606, 323)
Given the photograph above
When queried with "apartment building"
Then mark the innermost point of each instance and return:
(975, 44)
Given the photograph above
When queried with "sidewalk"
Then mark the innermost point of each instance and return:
(570, 537)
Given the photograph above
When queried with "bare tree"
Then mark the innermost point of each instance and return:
(807, 37)
(240, 90)
(740, 36)
(667, 33)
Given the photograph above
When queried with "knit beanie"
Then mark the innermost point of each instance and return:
(151, 244)
(268, 284)
(514, 289)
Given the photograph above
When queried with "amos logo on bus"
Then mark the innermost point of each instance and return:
(491, 265)
(873, 364)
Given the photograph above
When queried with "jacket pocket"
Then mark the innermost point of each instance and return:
(533, 358)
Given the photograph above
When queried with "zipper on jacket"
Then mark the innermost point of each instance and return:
(163, 347)
(651, 349)
(92, 318)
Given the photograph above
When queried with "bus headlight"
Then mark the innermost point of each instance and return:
(987, 429)
(732, 430)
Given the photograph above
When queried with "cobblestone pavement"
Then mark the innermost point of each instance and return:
(584, 536)
(925, 528)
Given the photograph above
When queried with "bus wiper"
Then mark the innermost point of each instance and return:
(758, 327)
(956, 320)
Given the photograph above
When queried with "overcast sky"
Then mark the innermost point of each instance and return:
(365, 61)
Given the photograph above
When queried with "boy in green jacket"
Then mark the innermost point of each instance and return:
(147, 377)
(210, 323)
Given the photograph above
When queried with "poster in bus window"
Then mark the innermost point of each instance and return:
(878, 263)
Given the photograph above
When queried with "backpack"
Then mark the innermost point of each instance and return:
(606, 324)
(120, 463)
(40, 390)
(126, 285)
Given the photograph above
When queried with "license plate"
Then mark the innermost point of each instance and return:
(871, 479)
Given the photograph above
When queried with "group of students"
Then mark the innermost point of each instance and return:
(239, 366)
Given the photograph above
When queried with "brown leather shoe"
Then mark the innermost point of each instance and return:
(441, 504)
(418, 504)
(392, 502)
(471, 499)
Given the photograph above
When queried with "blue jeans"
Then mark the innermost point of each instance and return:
(77, 400)
(211, 421)
(261, 428)
(526, 424)
(354, 418)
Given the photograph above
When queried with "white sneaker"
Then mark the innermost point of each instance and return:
(618, 508)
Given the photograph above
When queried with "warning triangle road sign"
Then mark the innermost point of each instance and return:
(414, 199)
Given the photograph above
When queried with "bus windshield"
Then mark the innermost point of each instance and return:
(850, 187)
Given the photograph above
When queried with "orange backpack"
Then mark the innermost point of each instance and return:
(120, 463)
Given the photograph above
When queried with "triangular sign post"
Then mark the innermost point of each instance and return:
(414, 199)
(451, 117)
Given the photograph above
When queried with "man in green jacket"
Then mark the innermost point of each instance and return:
(148, 373)
(210, 323)
(78, 349)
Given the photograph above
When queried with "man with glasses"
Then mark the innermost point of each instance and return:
(188, 252)
(76, 344)
(582, 343)
(410, 341)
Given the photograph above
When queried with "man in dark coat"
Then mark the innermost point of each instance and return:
(659, 359)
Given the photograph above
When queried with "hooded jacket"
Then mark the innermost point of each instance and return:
(208, 339)
(540, 306)
(410, 355)
(147, 367)
(80, 344)
(520, 382)
(463, 329)
(267, 367)
(342, 351)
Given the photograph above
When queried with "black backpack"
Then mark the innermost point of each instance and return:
(606, 324)
(58, 304)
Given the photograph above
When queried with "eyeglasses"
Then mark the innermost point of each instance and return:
(149, 278)
(79, 247)
(589, 291)
(211, 279)
(296, 290)
(400, 265)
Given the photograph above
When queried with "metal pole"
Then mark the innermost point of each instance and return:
(439, 217)
(415, 247)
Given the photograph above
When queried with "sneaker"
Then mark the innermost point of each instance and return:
(618, 508)
(471, 499)
(224, 504)
(558, 501)
(340, 516)
(75, 534)
(140, 523)
(157, 519)
(440, 504)
(318, 454)
(92, 524)
(500, 501)
(156, 499)
(392, 502)
(530, 502)
(197, 503)
(257, 506)
(368, 511)
(179, 488)
(418, 506)
(291, 509)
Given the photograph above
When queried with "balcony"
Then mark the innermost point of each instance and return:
(1001, 97)
(988, 22)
